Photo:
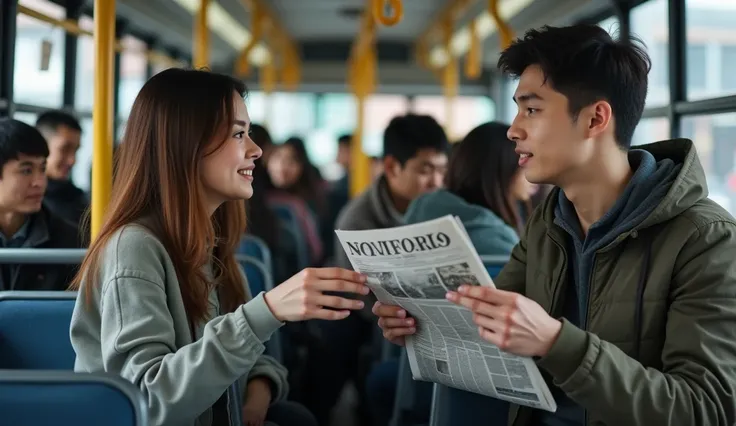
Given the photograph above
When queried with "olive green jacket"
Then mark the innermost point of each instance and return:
(660, 343)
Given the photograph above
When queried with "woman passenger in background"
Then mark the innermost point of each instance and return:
(297, 185)
(485, 188)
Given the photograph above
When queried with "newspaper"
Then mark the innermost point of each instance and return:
(414, 266)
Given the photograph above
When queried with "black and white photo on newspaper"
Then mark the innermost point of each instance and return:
(414, 266)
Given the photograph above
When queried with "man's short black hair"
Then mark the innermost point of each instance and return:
(586, 65)
(50, 121)
(406, 135)
(16, 138)
(345, 139)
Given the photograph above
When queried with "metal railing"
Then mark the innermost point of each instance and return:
(59, 256)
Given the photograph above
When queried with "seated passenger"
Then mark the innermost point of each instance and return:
(163, 302)
(484, 187)
(63, 135)
(415, 159)
(297, 185)
(24, 221)
(338, 194)
(623, 285)
(261, 221)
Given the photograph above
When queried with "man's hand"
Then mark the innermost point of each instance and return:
(257, 401)
(394, 322)
(512, 322)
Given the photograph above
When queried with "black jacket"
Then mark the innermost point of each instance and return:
(66, 200)
(45, 231)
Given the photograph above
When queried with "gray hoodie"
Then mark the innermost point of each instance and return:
(135, 326)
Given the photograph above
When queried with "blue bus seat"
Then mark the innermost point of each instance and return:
(251, 245)
(259, 280)
(34, 330)
(50, 397)
(287, 217)
(257, 274)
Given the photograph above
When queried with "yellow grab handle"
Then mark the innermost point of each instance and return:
(268, 77)
(243, 67)
(472, 61)
(389, 21)
(506, 34)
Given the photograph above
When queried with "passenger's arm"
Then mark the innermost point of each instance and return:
(139, 342)
(696, 383)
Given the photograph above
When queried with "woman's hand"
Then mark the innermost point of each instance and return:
(257, 401)
(394, 323)
(301, 296)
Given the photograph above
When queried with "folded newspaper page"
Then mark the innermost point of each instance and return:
(414, 266)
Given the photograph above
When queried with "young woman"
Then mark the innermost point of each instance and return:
(162, 301)
(292, 172)
(298, 187)
(484, 188)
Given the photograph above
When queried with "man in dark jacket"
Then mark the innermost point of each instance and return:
(24, 222)
(623, 286)
(63, 135)
(415, 160)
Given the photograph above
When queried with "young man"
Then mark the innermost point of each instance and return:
(24, 223)
(624, 284)
(415, 158)
(63, 135)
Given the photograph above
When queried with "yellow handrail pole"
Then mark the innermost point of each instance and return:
(450, 80)
(202, 37)
(360, 170)
(505, 33)
(472, 61)
(362, 81)
(102, 119)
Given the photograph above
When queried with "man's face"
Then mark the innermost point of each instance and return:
(422, 173)
(23, 184)
(63, 146)
(552, 146)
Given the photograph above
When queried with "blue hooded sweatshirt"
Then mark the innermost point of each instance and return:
(644, 192)
(490, 235)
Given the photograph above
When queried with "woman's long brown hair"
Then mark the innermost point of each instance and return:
(482, 169)
(179, 117)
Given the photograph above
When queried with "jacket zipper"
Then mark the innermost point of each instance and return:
(587, 314)
(590, 293)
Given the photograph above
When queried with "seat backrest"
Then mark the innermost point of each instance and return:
(251, 245)
(288, 217)
(41, 398)
(259, 278)
(34, 330)
(494, 264)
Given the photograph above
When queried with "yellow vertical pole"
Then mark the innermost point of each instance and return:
(202, 37)
(360, 167)
(102, 114)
